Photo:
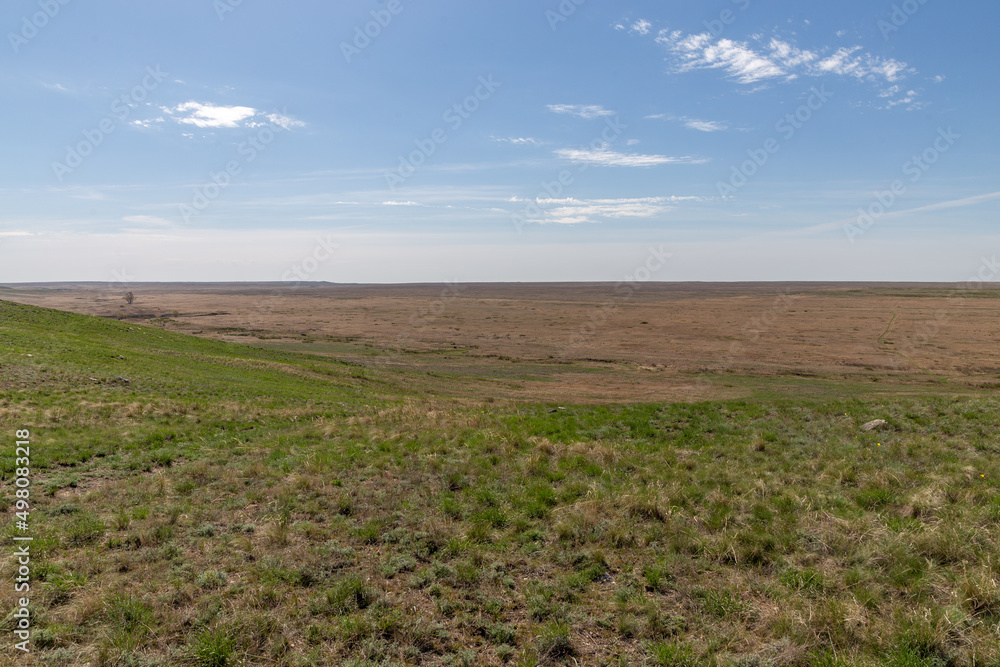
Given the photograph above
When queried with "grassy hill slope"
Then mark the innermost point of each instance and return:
(203, 503)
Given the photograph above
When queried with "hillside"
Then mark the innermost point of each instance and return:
(201, 502)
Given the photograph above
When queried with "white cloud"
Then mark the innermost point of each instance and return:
(693, 123)
(706, 125)
(632, 142)
(863, 66)
(642, 26)
(212, 116)
(788, 55)
(571, 211)
(517, 141)
(146, 124)
(400, 203)
(606, 157)
(588, 112)
(284, 122)
(910, 99)
(775, 59)
(700, 51)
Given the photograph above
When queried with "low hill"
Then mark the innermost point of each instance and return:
(199, 502)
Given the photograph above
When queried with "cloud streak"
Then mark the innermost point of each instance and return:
(693, 123)
(571, 211)
(939, 206)
(517, 141)
(587, 112)
(605, 157)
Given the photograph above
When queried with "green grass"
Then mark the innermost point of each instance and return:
(230, 505)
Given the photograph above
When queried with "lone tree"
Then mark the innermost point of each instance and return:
(129, 298)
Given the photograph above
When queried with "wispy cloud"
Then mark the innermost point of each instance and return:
(706, 125)
(692, 123)
(606, 157)
(58, 87)
(700, 51)
(775, 59)
(588, 112)
(517, 141)
(571, 211)
(400, 203)
(146, 124)
(642, 26)
(863, 66)
(89, 194)
(282, 121)
(939, 206)
(954, 203)
(891, 95)
(213, 116)
(789, 56)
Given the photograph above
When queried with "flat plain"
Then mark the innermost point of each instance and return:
(661, 474)
(594, 342)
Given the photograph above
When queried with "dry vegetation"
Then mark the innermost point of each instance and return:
(593, 342)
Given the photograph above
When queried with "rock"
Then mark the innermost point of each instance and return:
(874, 424)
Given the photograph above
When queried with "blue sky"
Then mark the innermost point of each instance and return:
(513, 141)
